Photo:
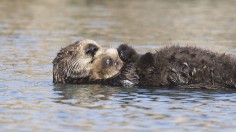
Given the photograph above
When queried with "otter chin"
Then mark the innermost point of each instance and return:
(75, 61)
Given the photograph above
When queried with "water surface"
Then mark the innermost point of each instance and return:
(33, 31)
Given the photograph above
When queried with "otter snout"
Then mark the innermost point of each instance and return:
(91, 49)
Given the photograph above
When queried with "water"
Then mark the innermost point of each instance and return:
(33, 31)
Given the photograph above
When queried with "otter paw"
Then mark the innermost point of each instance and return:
(127, 53)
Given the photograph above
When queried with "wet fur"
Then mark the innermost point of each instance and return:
(74, 62)
(106, 65)
(175, 66)
(77, 64)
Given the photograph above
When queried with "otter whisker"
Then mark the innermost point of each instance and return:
(72, 66)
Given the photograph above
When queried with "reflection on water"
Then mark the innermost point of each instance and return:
(142, 108)
(84, 94)
(33, 31)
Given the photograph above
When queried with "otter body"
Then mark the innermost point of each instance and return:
(175, 66)
(87, 62)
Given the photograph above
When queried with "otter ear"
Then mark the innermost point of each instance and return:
(127, 53)
(77, 42)
(146, 60)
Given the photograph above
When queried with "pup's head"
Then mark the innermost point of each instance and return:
(106, 65)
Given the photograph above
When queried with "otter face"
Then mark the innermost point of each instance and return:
(106, 65)
(75, 60)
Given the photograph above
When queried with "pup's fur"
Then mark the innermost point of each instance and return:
(172, 66)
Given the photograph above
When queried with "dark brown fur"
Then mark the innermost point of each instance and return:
(173, 66)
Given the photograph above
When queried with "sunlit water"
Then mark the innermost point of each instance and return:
(33, 31)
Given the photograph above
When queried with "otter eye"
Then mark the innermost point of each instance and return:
(116, 63)
(109, 61)
(91, 49)
(70, 52)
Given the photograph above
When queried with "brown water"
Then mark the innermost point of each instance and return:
(33, 31)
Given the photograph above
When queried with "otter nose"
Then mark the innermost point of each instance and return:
(91, 49)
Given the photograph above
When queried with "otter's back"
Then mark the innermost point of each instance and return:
(189, 65)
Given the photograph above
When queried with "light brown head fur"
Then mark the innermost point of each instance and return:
(75, 60)
(106, 65)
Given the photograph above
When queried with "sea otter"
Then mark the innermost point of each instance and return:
(83, 62)
(170, 66)
(174, 66)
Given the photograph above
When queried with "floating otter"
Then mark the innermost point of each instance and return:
(170, 66)
(174, 66)
(83, 62)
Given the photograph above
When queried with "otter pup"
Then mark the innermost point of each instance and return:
(106, 65)
(173, 66)
(84, 62)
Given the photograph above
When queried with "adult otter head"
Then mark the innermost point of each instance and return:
(106, 65)
(75, 61)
